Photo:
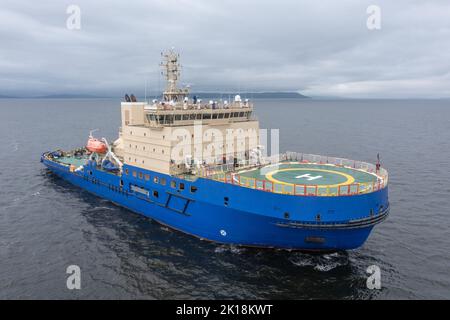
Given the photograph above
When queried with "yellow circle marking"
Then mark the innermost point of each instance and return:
(350, 179)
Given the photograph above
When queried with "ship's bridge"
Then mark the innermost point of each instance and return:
(166, 114)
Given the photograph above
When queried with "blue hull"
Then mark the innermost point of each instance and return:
(231, 214)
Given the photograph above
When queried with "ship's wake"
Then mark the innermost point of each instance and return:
(320, 262)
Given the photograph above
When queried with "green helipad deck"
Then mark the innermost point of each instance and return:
(306, 178)
(325, 175)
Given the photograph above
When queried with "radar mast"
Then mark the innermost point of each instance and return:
(171, 69)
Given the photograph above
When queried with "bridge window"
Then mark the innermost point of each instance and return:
(207, 116)
(169, 119)
(221, 116)
(185, 117)
(178, 117)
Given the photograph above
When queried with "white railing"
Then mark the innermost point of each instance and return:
(228, 173)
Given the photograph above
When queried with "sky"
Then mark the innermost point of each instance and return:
(318, 48)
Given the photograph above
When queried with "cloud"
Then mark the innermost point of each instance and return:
(316, 47)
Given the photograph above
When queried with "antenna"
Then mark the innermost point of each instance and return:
(171, 69)
(145, 89)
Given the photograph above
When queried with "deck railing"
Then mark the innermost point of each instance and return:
(228, 173)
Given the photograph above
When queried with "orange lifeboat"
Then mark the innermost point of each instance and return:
(95, 145)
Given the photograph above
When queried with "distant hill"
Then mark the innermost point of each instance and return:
(54, 96)
(250, 95)
(68, 96)
(201, 95)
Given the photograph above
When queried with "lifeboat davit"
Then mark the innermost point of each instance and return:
(95, 145)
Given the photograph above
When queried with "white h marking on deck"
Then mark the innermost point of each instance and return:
(308, 176)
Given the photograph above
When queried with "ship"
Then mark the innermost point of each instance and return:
(169, 165)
